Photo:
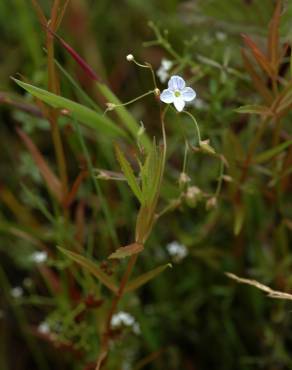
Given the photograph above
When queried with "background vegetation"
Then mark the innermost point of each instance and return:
(53, 311)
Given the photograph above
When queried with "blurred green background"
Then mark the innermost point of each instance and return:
(191, 316)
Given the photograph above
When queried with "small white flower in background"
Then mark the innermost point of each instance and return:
(16, 292)
(177, 93)
(39, 257)
(220, 36)
(125, 319)
(177, 251)
(136, 328)
(200, 104)
(163, 70)
(122, 318)
(44, 328)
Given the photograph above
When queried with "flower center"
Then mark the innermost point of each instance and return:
(177, 94)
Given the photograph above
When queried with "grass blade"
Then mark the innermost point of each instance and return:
(83, 114)
(255, 109)
(269, 154)
(144, 278)
(129, 174)
(91, 267)
(52, 182)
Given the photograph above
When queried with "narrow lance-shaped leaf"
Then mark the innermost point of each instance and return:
(238, 219)
(256, 109)
(87, 116)
(258, 82)
(144, 278)
(129, 174)
(268, 154)
(72, 193)
(80, 61)
(92, 268)
(52, 182)
(273, 40)
(127, 251)
(258, 55)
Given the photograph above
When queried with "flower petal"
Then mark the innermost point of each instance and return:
(162, 75)
(179, 103)
(166, 64)
(188, 94)
(176, 83)
(167, 96)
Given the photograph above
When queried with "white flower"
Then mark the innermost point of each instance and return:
(122, 318)
(39, 257)
(162, 72)
(44, 328)
(16, 292)
(177, 251)
(125, 319)
(166, 64)
(177, 93)
(220, 36)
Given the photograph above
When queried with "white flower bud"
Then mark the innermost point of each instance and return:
(183, 179)
(211, 203)
(206, 147)
(156, 92)
(130, 57)
(110, 106)
(193, 196)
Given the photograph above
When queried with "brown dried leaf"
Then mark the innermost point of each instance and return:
(127, 251)
(259, 56)
(258, 82)
(72, 194)
(273, 40)
(52, 181)
(270, 292)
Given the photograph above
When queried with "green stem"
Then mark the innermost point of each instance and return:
(196, 124)
(53, 114)
(220, 179)
(149, 66)
(185, 157)
(129, 102)
(106, 336)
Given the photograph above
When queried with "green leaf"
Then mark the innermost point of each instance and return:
(238, 219)
(127, 251)
(126, 118)
(91, 267)
(255, 109)
(129, 174)
(87, 116)
(151, 174)
(268, 154)
(80, 92)
(144, 278)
